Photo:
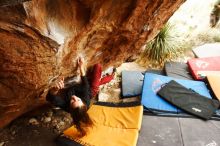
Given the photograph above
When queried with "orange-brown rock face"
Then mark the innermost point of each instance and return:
(41, 39)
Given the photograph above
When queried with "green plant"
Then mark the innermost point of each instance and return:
(163, 47)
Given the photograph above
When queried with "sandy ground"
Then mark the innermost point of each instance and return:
(42, 126)
(111, 92)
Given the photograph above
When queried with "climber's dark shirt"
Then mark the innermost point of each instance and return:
(81, 90)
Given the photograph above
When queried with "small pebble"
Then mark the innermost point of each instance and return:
(33, 121)
(47, 119)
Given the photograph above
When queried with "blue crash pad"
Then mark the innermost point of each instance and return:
(152, 84)
(132, 82)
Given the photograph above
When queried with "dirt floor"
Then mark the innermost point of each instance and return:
(37, 128)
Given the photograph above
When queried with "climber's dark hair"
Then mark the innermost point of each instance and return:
(80, 116)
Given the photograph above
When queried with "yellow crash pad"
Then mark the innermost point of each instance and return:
(113, 126)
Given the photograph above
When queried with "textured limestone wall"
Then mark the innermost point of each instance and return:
(41, 39)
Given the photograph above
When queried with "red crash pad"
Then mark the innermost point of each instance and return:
(201, 67)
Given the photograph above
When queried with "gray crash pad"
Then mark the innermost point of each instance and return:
(207, 50)
(132, 82)
(179, 70)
